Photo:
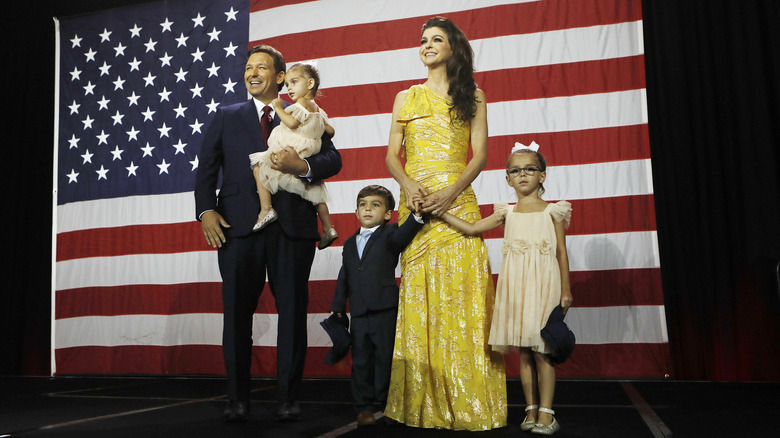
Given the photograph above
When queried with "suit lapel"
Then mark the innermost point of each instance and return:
(252, 120)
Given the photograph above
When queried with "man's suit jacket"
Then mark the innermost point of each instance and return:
(369, 282)
(232, 135)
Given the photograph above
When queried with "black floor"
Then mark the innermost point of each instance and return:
(184, 407)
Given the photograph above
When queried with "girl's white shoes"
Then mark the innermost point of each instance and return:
(327, 238)
(527, 424)
(267, 219)
(547, 429)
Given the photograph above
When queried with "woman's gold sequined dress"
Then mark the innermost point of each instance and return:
(444, 374)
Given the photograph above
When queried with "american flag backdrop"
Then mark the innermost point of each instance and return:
(137, 290)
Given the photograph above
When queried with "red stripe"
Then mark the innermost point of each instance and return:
(182, 359)
(514, 19)
(149, 299)
(622, 287)
(560, 149)
(609, 361)
(601, 215)
(626, 287)
(133, 239)
(171, 299)
(593, 216)
(259, 5)
(587, 361)
(545, 81)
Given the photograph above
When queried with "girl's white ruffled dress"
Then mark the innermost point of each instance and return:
(529, 282)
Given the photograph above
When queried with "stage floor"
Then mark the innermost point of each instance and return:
(191, 407)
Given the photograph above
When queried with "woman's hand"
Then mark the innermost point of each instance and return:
(439, 202)
(415, 193)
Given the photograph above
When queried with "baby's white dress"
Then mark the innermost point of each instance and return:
(306, 140)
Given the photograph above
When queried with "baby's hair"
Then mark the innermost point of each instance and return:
(377, 190)
(310, 71)
(539, 159)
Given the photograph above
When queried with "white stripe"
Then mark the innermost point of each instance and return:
(584, 181)
(591, 325)
(610, 179)
(567, 113)
(604, 180)
(555, 114)
(176, 268)
(589, 252)
(618, 324)
(496, 53)
(169, 330)
(327, 14)
(558, 46)
(599, 252)
(131, 210)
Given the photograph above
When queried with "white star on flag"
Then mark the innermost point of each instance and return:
(131, 169)
(102, 173)
(103, 103)
(163, 166)
(135, 31)
(117, 153)
(164, 130)
(103, 137)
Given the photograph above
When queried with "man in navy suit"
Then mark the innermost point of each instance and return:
(367, 279)
(284, 249)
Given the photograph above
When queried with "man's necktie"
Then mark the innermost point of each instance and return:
(265, 123)
(362, 241)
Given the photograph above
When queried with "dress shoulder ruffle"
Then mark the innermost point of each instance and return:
(502, 208)
(415, 105)
(297, 110)
(561, 211)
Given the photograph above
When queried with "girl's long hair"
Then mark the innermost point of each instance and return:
(460, 70)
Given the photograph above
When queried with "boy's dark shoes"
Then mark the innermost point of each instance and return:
(366, 418)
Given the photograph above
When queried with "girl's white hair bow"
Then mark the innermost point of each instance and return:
(531, 147)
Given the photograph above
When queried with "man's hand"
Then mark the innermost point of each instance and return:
(212, 222)
(288, 161)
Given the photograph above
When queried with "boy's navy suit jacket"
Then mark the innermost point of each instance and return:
(369, 283)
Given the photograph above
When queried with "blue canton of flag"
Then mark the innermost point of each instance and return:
(137, 88)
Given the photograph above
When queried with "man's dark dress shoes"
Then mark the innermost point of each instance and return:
(236, 412)
(288, 411)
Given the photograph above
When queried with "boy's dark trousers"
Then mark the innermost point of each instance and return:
(370, 285)
(373, 336)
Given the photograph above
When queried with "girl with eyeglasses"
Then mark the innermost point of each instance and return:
(533, 279)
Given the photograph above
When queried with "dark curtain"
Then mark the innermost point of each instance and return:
(27, 127)
(713, 90)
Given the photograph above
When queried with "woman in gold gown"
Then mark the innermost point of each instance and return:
(444, 374)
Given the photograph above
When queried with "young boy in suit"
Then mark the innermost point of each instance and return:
(367, 279)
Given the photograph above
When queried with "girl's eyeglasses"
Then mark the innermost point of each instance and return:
(516, 171)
